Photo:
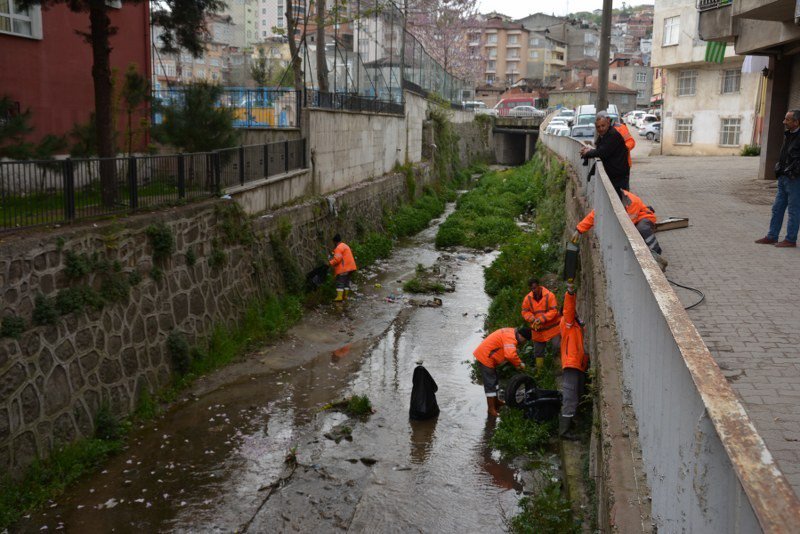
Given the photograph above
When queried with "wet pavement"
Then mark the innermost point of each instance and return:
(215, 462)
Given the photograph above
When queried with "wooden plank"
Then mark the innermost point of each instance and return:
(671, 223)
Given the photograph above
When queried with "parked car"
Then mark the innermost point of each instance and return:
(510, 102)
(567, 114)
(585, 131)
(525, 111)
(651, 130)
(645, 119)
(474, 105)
(586, 114)
(633, 116)
(559, 130)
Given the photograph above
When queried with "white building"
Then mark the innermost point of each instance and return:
(708, 108)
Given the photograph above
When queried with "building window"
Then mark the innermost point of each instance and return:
(511, 79)
(491, 65)
(614, 77)
(729, 131)
(640, 93)
(513, 53)
(280, 23)
(18, 21)
(731, 81)
(492, 53)
(672, 27)
(490, 79)
(534, 54)
(491, 38)
(641, 77)
(687, 82)
(513, 39)
(201, 73)
(623, 99)
(264, 33)
(534, 41)
(511, 66)
(214, 62)
(683, 132)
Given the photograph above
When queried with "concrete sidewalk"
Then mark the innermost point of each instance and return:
(751, 317)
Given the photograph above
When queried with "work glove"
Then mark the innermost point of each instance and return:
(576, 235)
(570, 288)
(522, 366)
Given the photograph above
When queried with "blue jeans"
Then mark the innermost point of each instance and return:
(787, 196)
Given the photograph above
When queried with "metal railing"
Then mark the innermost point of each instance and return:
(262, 107)
(705, 5)
(351, 102)
(34, 193)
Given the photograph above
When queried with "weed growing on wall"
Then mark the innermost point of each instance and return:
(293, 279)
(179, 352)
(234, 225)
(548, 511)
(44, 311)
(12, 326)
(161, 241)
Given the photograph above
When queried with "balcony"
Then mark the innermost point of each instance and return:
(773, 10)
(716, 20)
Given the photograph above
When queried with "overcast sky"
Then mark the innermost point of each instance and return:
(520, 8)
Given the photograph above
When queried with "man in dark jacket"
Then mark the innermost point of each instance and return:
(612, 152)
(788, 194)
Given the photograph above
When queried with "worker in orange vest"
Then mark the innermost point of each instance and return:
(641, 215)
(343, 263)
(499, 347)
(540, 311)
(574, 361)
(630, 142)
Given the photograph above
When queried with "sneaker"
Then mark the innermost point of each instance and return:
(766, 241)
(786, 244)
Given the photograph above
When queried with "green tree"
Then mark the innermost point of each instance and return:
(135, 93)
(195, 123)
(14, 131)
(183, 24)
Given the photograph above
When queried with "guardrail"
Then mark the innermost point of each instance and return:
(705, 5)
(707, 468)
(34, 193)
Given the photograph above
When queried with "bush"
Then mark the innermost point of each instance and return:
(179, 352)
(12, 326)
(373, 247)
(359, 406)
(546, 512)
(515, 435)
(77, 298)
(77, 265)
(44, 311)
(751, 150)
(162, 241)
(106, 426)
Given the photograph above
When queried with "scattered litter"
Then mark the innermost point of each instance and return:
(140, 501)
(378, 286)
(369, 461)
(402, 468)
(110, 503)
(434, 303)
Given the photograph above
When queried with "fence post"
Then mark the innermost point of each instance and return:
(69, 190)
(298, 97)
(133, 190)
(266, 160)
(286, 155)
(217, 172)
(181, 176)
(304, 157)
(241, 165)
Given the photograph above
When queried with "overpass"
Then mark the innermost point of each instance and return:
(515, 138)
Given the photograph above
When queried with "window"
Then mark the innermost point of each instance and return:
(729, 131)
(641, 77)
(490, 79)
(201, 73)
(534, 41)
(19, 21)
(533, 54)
(687, 82)
(264, 33)
(491, 38)
(672, 27)
(492, 53)
(214, 62)
(263, 10)
(623, 99)
(511, 66)
(280, 23)
(640, 93)
(614, 77)
(513, 53)
(683, 132)
(513, 39)
(731, 82)
(511, 79)
(491, 65)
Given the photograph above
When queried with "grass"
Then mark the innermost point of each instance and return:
(359, 406)
(515, 435)
(547, 512)
(424, 282)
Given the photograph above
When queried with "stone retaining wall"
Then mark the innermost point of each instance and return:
(53, 379)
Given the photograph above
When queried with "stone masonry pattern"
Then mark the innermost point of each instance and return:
(54, 379)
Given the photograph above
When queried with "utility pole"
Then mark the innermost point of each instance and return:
(605, 45)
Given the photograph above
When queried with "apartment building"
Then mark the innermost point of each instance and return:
(761, 28)
(547, 56)
(582, 39)
(633, 74)
(708, 108)
(505, 47)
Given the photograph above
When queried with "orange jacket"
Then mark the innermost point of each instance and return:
(343, 261)
(572, 353)
(544, 309)
(633, 205)
(498, 347)
(630, 142)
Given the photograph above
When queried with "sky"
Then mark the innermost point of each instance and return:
(520, 8)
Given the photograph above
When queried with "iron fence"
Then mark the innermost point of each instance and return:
(34, 193)
(262, 107)
(351, 102)
(705, 5)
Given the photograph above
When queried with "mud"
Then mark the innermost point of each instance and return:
(246, 449)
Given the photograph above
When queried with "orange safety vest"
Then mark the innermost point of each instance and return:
(343, 261)
(545, 309)
(572, 354)
(636, 211)
(498, 347)
(630, 142)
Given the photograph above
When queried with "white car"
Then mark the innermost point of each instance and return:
(557, 129)
(633, 116)
(567, 114)
(524, 111)
(557, 121)
(651, 130)
(645, 119)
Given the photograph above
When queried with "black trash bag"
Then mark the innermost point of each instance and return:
(423, 395)
(317, 277)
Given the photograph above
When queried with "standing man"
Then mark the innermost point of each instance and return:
(343, 264)
(788, 194)
(612, 151)
(540, 310)
(574, 362)
(500, 346)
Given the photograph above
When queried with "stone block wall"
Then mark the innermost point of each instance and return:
(53, 379)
